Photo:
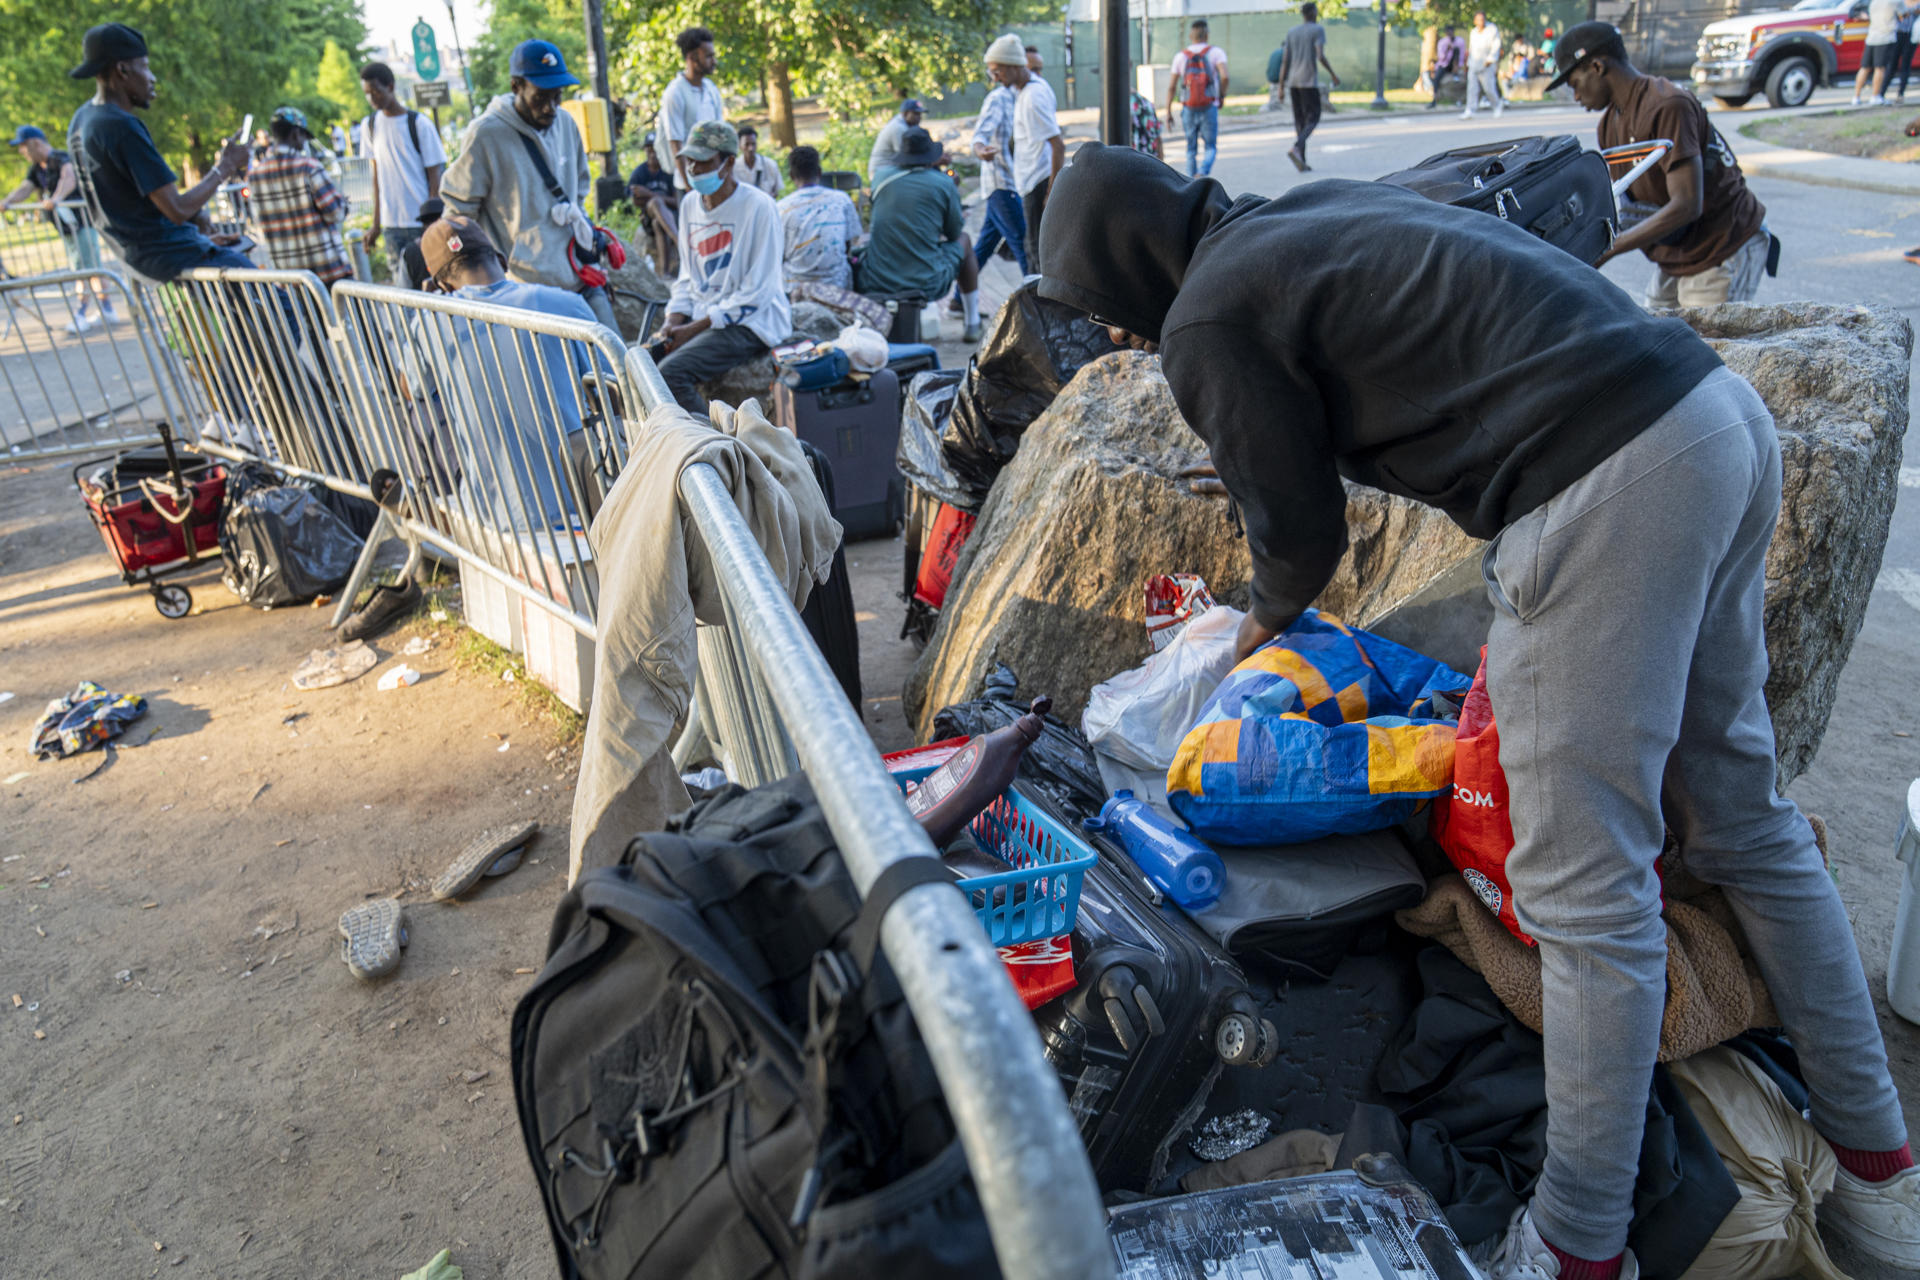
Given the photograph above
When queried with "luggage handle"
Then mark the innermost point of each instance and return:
(1642, 156)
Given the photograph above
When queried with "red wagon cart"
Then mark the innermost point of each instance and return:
(156, 514)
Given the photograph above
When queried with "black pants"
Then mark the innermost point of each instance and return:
(1306, 115)
(1440, 77)
(1902, 63)
(706, 358)
(1034, 204)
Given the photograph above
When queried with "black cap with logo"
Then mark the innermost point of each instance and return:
(1582, 41)
(107, 44)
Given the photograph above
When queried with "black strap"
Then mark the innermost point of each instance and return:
(539, 159)
(413, 131)
(908, 873)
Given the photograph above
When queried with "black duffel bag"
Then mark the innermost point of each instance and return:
(716, 1072)
(1550, 187)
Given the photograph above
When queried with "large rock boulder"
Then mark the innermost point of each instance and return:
(635, 285)
(1093, 504)
(755, 377)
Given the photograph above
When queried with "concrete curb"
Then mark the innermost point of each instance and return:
(1824, 169)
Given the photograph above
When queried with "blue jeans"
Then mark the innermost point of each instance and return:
(1202, 125)
(1004, 221)
(397, 240)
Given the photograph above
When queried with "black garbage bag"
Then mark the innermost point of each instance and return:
(279, 544)
(923, 419)
(1034, 349)
(1060, 764)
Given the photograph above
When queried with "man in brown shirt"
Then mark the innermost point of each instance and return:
(1705, 234)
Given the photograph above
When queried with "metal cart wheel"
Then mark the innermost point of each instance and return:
(173, 601)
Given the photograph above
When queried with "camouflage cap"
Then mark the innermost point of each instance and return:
(710, 138)
(293, 116)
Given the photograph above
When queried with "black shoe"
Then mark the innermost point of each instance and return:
(387, 606)
(1299, 161)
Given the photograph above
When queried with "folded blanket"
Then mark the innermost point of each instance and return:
(1714, 991)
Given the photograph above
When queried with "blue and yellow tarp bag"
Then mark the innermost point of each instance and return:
(1325, 730)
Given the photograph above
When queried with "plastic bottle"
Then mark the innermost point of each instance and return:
(1178, 861)
(960, 790)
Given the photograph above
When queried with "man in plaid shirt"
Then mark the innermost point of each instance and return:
(298, 208)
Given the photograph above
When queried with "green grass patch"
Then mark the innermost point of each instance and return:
(1873, 133)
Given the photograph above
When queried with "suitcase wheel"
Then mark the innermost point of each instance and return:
(1244, 1040)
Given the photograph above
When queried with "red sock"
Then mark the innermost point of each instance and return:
(1572, 1268)
(1872, 1166)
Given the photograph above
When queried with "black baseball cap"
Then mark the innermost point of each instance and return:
(1582, 41)
(107, 44)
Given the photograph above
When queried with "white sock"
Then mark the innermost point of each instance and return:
(970, 307)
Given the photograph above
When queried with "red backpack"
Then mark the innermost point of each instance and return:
(1202, 81)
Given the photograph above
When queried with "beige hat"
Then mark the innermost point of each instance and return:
(1007, 51)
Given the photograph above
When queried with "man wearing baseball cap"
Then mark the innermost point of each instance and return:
(53, 184)
(1703, 231)
(1628, 484)
(523, 177)
(729, 301)
(298, 208)
(884, 160)
(159, 228)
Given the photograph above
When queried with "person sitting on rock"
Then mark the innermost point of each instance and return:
(729, 302)
(918, 245)
(1629, 484)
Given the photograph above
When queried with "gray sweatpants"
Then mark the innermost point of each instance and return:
(1625, 663)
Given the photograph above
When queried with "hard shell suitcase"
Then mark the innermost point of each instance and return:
(829, 611)
(1550, 187)
(1158, 1012)
(856, 423)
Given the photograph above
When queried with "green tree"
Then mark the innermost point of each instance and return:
(328, 92)
(217, 60)
(511, 21)
(847, 51)
(1509, 15)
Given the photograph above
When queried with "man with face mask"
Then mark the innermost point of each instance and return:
(1628, 484)
(729, 303)
(160, 229)
(523, 176)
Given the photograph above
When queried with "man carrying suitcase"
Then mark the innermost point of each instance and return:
(1629, 484)
(1706, 233)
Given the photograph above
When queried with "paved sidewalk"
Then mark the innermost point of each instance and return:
(1825, 169)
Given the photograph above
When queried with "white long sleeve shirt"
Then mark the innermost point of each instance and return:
(730, 269)
(1483, 47)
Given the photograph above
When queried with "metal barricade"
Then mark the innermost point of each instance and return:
(505, 426)
(80, 386)
(34, 244)
(1029, 1164)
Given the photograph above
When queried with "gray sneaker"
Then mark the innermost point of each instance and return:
(1880, 1219)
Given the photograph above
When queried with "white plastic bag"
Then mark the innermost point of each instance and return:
(1140, 716)
(866, 350)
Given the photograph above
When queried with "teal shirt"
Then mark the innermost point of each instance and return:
(916, 241)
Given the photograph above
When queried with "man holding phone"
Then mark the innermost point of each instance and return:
(161, 230)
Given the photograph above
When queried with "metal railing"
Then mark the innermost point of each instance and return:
(1028, 1161)
(35, 242)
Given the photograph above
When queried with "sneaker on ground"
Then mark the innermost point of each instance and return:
(1466, 115)
(1881, 1219)
(1855, 102)
(1913, 256)
(1877, 101)
(388, 605)
(82, 323)
(972, 333)
(111, 316)
(1523, 1255)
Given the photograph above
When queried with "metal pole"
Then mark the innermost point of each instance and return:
(597, 64)
(466, 72)
(1116, 103)
(1380, 63)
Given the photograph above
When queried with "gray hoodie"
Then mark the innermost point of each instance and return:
(495, 183)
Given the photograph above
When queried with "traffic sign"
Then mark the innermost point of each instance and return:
(428, 94)
(426, 51)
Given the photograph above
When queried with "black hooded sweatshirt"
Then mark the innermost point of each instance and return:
(1357, 329)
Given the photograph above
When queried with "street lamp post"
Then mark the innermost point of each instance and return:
(1116, 99)
(466, 72)
(1380, 62)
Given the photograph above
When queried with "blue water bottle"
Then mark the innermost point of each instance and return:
(1185, 868)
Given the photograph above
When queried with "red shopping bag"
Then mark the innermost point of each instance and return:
(951, 528)
(1041, 969)
(1471, 822)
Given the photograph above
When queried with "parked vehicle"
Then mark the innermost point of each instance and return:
(1784, 54)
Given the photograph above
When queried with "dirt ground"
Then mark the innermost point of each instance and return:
(1877, 134)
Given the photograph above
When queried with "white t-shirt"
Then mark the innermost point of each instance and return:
(820, 224)
(765, 174)
(401, 169)
(1033, 123)
(683, 106)
(730, 269)
(1483, 46)
(1883, 21)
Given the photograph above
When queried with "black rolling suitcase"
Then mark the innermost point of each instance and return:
(1552, 188)
(856, 423)
(829, 611)
(1158, 1012)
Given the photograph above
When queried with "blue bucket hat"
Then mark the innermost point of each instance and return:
(541, 64)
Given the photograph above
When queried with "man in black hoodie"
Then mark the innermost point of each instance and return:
(1629, 484)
